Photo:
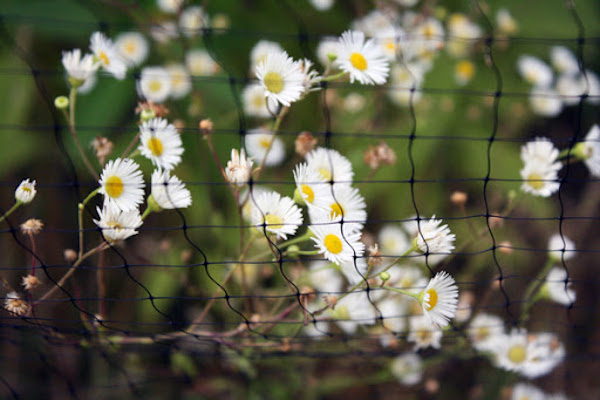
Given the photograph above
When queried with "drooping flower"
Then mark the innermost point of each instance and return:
(239, 168)
(79, 69)
(169, 192)
(118, 225)
(558, 288)
(440, 299)
(26, 191)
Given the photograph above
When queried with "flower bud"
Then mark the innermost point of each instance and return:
(61, 102)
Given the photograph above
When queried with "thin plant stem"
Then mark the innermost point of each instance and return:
(103, 246)
(12, 209)
(80, 209)
(101, 285)
(530, 296)
(131, 146)
(86, 161)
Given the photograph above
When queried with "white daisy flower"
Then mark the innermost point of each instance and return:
(540, 178)
(545, 102)
(118, 225)
(440, 299)
(424, 41)
(511, 351)
(363, 60)
(255, 102)
(169, 192)
(310, 184)
(375, 21)
(108, 55)
(155, 84)
(557, 288)
(14, 303)
(561, 247)
(281, 77)
(590, 150)
(408, 368)
(393, 241)
(192, 20)
(483, 330)
(169, 6)
(260, 142)
(181, 83)
(331, 165)
(463, 72)
(570, 88)
(122, 184)
(526, 391)
(546, 353)
(394, 314)
(79, 69)
(563, 60)
(259, 52)
(322, 5)
(132, 47)
(540, 150)
(239, 168)
(462, 34)
(354, 103)
(431, 238)
(327, 46)
(506, 22)
(26, 191)
(389, 41)
(200, 63)
(535, 71)
(278, 215)
(403, 79)
(423, 334)
(337, 242)
(354, 310)
(341, 202)
(324, 278)
(161, 143)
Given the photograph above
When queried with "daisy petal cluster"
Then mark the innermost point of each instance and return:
(122, 184)
(15, 304)
(154, 84)
(440, 299)
(331, 165)
(362, 59)
(561, 247)
(107, 55)
(116, 224)
(79, 69)
(337, 242)
(132, 47)
(434, 238)
(278, 215)
(239, 168)
(540, 170)
(161, 143)
(281, 77)
(261, 145)
(168, 191)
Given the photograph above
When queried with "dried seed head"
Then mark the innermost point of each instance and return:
(30, 282)
(374, 255)
(206, 127)
(305, 143)
(103, 148)
(31, 227)
(151, 110)
(495, 221)
(375, 156)
(15, 304)
(179, 125)
(331, 301)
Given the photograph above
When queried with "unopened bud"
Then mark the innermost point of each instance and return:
(375, 156)
(432, 386)
(459, 198)
(206, 127)
(147, 114)
(495, 221)
(385, 276)
(70, 255)
(331, 57)
(505, 247)
(305, 143)
(179, 125)
(61, 102)
(374, 255)
(331, 301)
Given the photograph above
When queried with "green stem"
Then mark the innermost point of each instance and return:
(12, 209)
(88, 164)
(300, 239)
(532, 290)
(147, 212)
(307, 253)
(413, 295)
(333, 77)
(80, 209)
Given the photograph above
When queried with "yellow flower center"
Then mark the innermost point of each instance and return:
(114, 225)
(337, 210)
(155, 146)
(333, 244)
(482, 333)
(390, 46)
(517, 354)
(325, 173)
(535, 181)
(273, 82)
(17, 303)
(433, 299)
(273, 220)
(26, 189)
(308, 192)
(113, 186)
(258, 101)
(129, 47)
(428, 32)
(358, 61)
(104, 58)
(465, 69)
(155, 86)
(265, 143)
(424, 335)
